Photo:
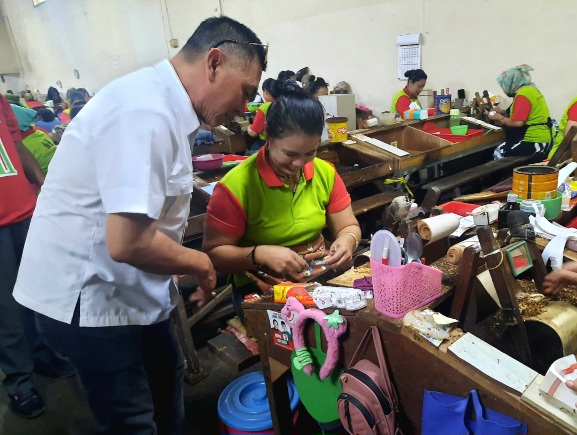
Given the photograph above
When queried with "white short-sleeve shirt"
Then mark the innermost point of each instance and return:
(126, 151)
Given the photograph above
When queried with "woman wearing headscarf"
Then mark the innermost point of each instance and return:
(528, 127)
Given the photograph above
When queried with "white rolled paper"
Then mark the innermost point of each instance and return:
(437, 227)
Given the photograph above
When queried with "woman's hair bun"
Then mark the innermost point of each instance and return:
(284, 87)
(409, 73)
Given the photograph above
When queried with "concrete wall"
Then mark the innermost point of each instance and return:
(466, 43)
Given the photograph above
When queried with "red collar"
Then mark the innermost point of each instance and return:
(27, 133)
(270, 177)
(406, 91)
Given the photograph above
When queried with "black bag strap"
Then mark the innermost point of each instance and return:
(374, 333)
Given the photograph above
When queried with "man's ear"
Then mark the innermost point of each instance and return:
(213, 62)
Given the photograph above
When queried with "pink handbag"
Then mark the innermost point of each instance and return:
(368, 403)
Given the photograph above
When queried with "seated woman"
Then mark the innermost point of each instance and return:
(528, 127)
(568, 120)
(317, 86)
(37, 141)
(256, 129)
(265, 217)
(416, 81)
(53, 95)
(46, 120)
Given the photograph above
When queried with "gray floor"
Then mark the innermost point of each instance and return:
(68, 412)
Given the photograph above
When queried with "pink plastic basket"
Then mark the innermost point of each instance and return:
(399, 290)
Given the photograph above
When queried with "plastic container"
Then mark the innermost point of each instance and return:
(398, 290)
(243, 405)
(387, 118)
(253, 107)
(535, 182)
(460, 130)
(338, 128)
(460, 208)
(455, 117)
(553, 206)
(445, 133)
(527, 205)
(207, 162)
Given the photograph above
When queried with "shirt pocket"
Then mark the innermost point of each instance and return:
(177, 186)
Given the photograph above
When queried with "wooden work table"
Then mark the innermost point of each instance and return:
(414, 365)
(425, 149)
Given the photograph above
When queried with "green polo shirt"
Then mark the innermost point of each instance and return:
(537, 132)
(41, 147)
(562, 125)
(402, 93)
(264, 109)
(251, 203)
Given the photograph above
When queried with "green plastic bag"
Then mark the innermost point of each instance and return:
(318, 397)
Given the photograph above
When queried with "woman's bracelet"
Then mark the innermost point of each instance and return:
(251, 254)
(352, 235)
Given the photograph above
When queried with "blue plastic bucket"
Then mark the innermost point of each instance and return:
(243, 405)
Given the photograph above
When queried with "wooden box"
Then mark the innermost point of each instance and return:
(423, 148)
(355, 166)
(489, 136)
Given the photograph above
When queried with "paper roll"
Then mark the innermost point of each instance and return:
(437, 227)
(455, 252)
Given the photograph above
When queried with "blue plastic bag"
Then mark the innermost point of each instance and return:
(445, 414)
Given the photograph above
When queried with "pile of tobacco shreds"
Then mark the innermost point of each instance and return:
(532, 304)
(450, 271)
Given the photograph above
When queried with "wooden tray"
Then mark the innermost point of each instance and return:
(422, 147)
(354, 165)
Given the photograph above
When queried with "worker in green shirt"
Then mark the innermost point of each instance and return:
(527, 124)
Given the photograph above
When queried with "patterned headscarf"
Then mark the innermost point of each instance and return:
(512, 79)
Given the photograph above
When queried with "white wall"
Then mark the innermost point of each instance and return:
(466, 43)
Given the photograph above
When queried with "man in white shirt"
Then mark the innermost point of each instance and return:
(105, 237)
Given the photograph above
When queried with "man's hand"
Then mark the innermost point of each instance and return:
(205, 274)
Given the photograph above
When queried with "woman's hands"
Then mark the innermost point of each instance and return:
(499, 117)
(341, 253)
(281, 260)
(499, 110)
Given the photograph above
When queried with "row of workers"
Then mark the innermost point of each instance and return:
(527, 122)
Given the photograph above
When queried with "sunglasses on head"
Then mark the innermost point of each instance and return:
(234, 41)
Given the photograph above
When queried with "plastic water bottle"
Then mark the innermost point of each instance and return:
(455, 117)
(566, 200)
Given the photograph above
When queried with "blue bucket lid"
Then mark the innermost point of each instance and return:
(243, 405)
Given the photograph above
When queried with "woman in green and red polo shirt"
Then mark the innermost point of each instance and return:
(256, 129)
(416, 81)
(568, 120)
(528, 127)
(265, 218)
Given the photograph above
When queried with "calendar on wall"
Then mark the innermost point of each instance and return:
(409, 53)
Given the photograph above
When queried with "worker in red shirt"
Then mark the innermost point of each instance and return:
(21, 352)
